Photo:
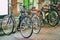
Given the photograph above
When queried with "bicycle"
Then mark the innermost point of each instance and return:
(36, 23)
(25, 24)
(49, 15)
(35, 19)
(56, 6)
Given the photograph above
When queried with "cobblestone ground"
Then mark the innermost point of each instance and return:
(46, 33)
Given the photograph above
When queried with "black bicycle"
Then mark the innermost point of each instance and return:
(24, 25)
(49, 15)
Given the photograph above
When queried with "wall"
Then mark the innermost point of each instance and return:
(15, 8)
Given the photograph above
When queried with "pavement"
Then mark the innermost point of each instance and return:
(47, 33)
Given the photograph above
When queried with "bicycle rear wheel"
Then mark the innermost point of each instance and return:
(36, 23)
(26, 28)
(7, 25)
(53, 18)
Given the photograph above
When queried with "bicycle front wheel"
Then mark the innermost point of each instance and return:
(26, 27)
(7, 25)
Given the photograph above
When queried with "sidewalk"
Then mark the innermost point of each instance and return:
(46, 33)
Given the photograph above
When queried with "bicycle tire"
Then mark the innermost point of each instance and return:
(36, 23)
(5, 27)
(50, 17)
(28, 27)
